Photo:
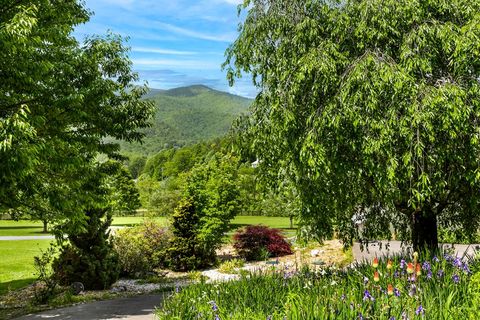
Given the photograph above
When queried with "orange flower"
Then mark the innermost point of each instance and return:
(376, 276)
(375, 262)
(410, 268)
(390, 289)
(389, 264)
(418, 269)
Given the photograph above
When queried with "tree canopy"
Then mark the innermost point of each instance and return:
(371, 107)
(59, 100)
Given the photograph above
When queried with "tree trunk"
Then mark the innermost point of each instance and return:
(45, 226)
(291, 222)
(424, 231)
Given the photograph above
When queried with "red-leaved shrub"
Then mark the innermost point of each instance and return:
(252, 241)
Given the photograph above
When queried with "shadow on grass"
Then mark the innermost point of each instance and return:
(14, 285)
(125, 224)
(20, 227)
(235, 226)
(28, 230)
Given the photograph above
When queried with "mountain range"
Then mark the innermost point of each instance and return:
(187, 115)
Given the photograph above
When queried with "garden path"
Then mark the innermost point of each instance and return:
(133, 308)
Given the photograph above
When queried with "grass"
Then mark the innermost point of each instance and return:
(21, 228)
(34, 228)
(442, 289)
(16, 264)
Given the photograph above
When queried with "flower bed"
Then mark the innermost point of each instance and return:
(437, 288)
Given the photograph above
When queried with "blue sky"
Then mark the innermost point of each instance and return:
(173, 42)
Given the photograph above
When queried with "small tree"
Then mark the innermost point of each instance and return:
(89, 257)
(203, 216)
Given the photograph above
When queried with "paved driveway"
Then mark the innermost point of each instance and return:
(386, 248)
(134, 308)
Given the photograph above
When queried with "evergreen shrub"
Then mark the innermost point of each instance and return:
(89, 257)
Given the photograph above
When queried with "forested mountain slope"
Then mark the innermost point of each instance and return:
(188, 115)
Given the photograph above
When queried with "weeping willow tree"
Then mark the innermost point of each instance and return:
(371, 107)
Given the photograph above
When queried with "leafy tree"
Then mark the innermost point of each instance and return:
(371, 107)
(59, 100)
(136, 165)
(203, 215)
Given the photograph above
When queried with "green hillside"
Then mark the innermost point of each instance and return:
(188, 115)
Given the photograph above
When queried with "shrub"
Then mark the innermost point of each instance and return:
(186, 252)
(203, 215)
(128, 244)
(89, 257)
(230, 266)
(252, 241)
(47, 283)
(141, 249)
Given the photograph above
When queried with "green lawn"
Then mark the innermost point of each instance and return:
(16, 257)
(34, 228)
(16, 263)
(21, 228)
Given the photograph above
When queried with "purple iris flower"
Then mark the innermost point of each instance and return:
(420, 310)
(396, 292)
(367, 296)
(214, 306)
(440, 273)
(456, 278)
(402, 264)
(457, 262)
(426, 265)
(435, 259)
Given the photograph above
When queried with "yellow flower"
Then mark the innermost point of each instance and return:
(389, 264)
(390, 289)
(410, 268)
(418, 269)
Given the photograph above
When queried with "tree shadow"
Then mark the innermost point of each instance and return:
(235, 226)
(29, 230)
(7, 286)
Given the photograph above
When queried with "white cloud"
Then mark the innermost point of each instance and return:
(235, 2)
(175, 63)
(226, 37)
(163, 51)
